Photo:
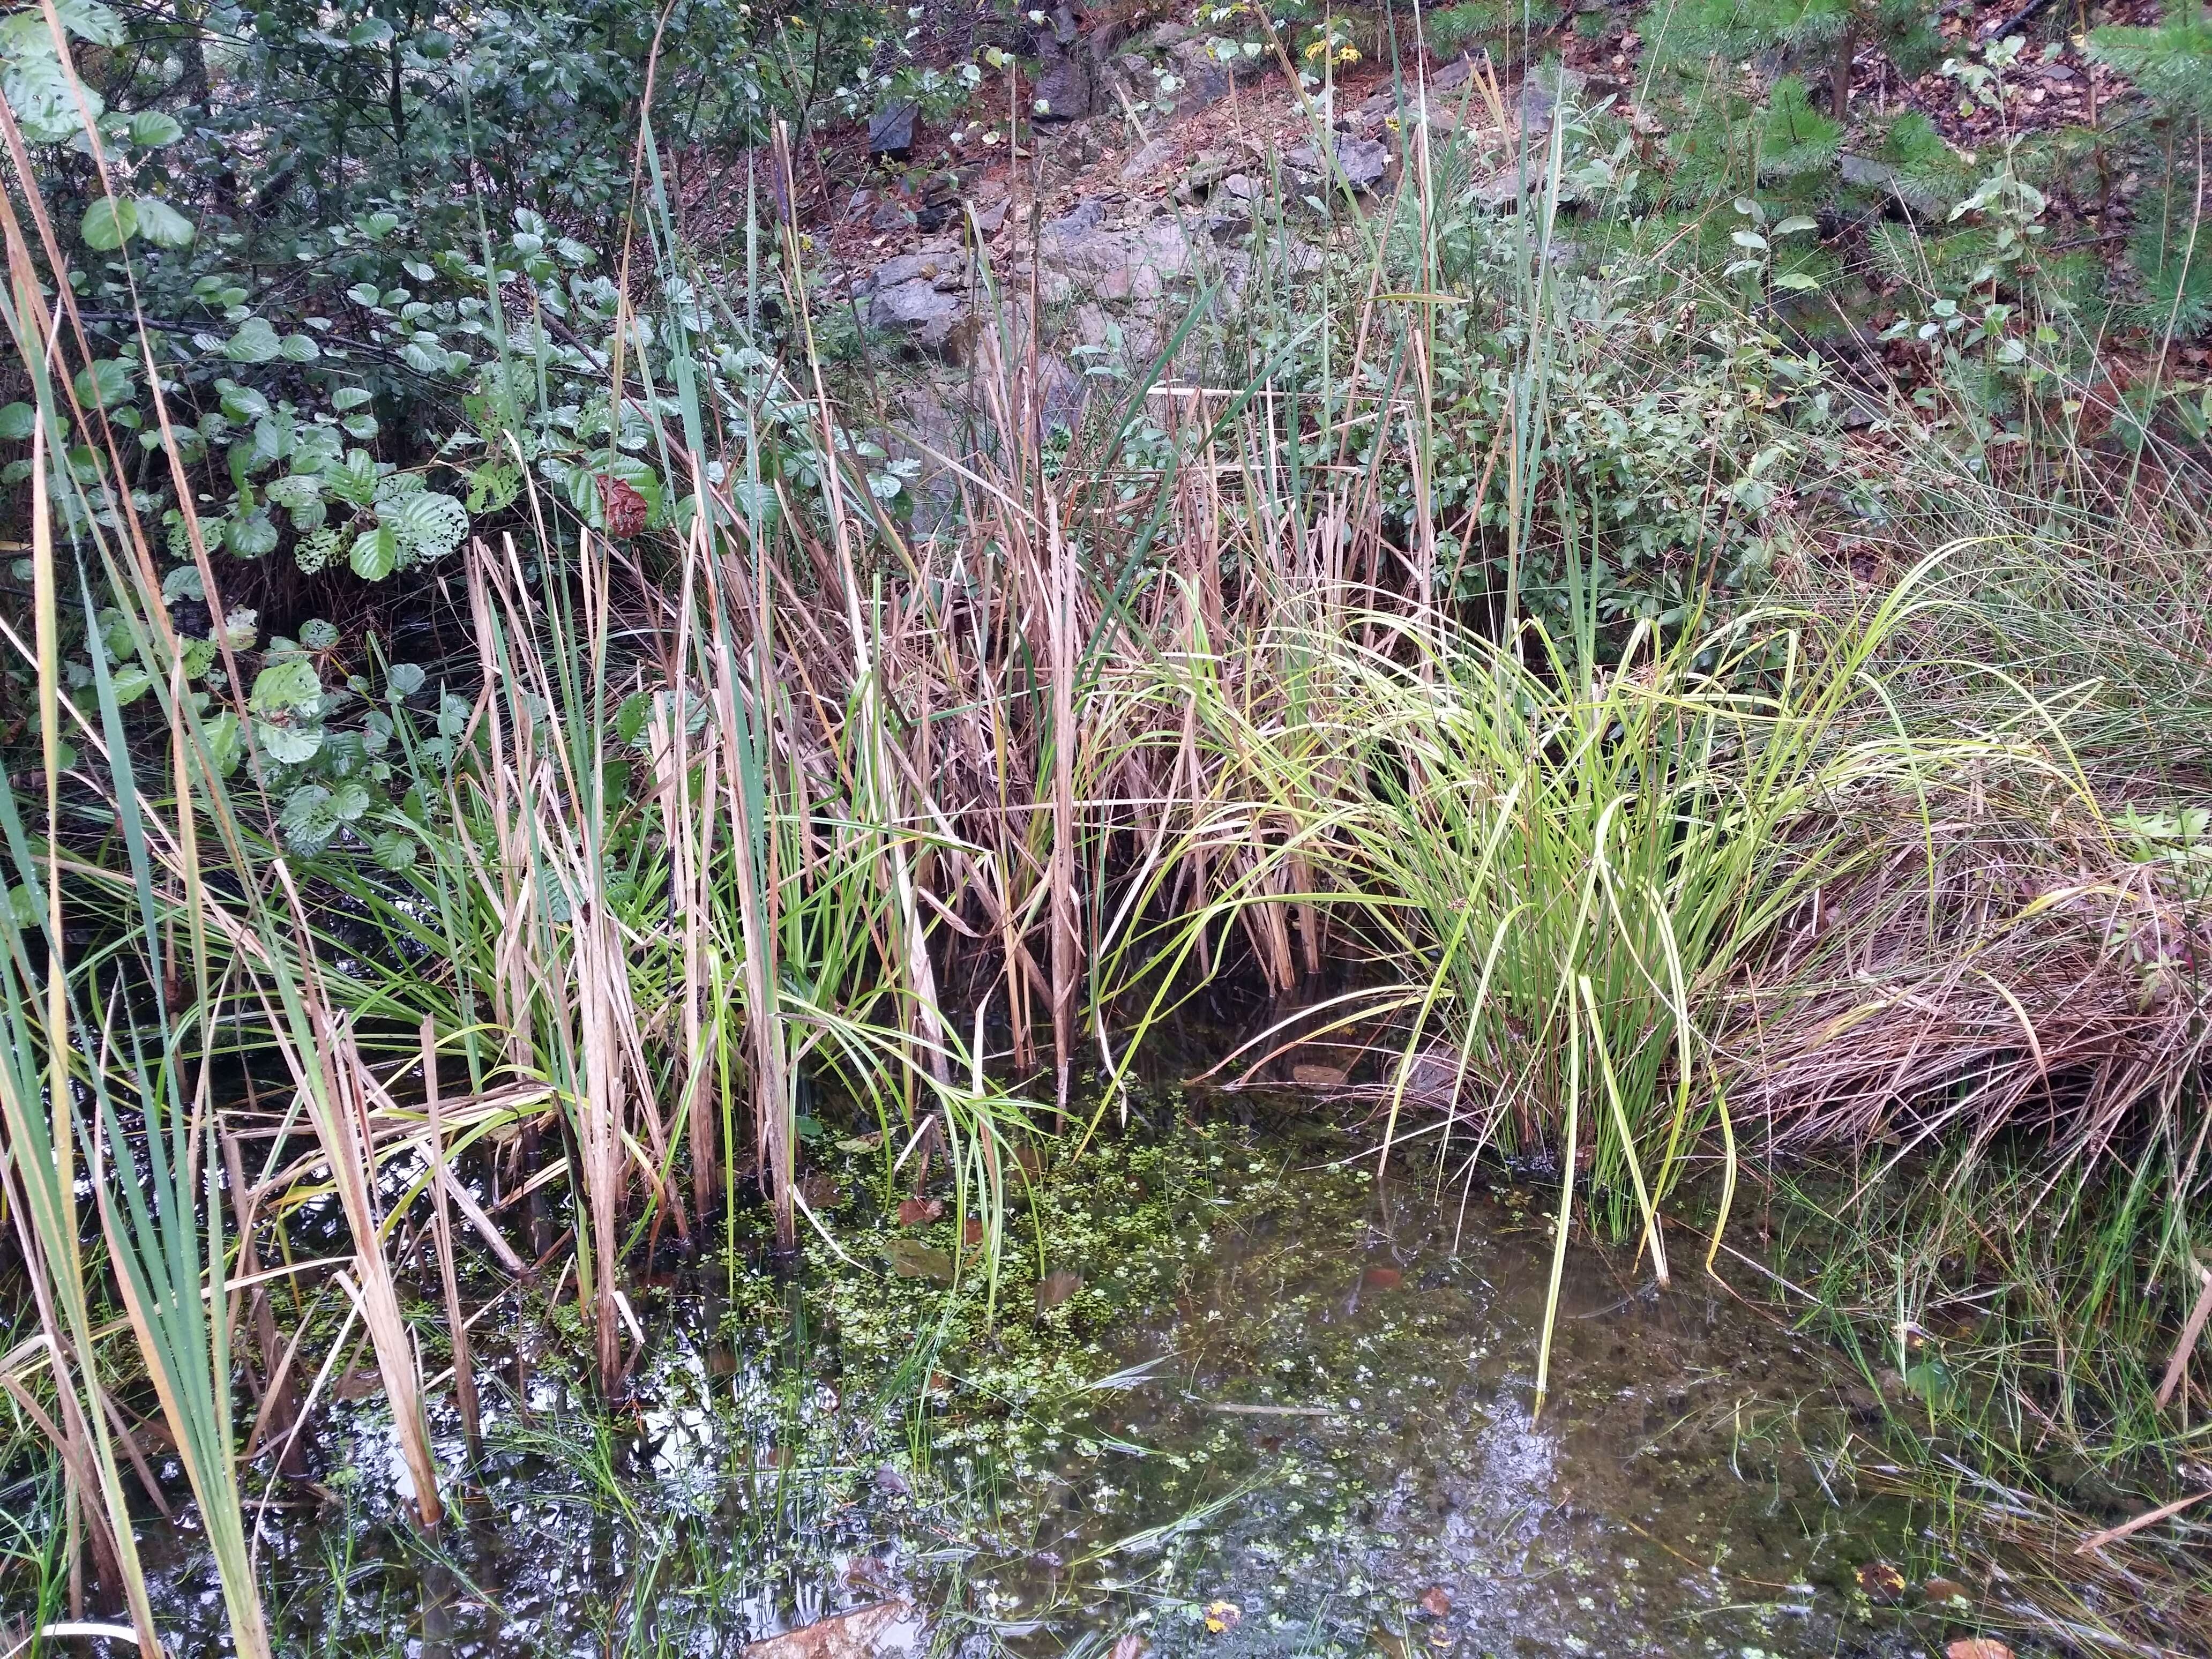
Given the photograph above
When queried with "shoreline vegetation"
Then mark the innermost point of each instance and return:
(1642, 637)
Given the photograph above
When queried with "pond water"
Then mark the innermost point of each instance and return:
(1233, 1395)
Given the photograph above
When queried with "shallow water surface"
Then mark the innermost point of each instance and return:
(1265, 1404)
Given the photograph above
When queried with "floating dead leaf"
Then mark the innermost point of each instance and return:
(1382, 1278)
(1129, 1645)
(1945, 1590)
(1030, 1160)
(1881, 1581)
(867, 1142)
(971, 1231)
(1055, 1287)
(1307, 1074)
(1390, 1643)
(919, 1211)
(912, 1259)
(1978, 1647)
(1222, 1615)
(821, 1192)
(1435, 1601)
(872, 1632)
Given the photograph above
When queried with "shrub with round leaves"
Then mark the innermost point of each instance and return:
(428, 525)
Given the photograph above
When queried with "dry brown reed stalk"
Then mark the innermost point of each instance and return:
(337, 1088)
(457, 1326)
(559, 930)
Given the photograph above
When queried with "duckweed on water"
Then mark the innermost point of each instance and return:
(1278, 1388)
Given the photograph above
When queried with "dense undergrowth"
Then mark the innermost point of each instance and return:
(517, 745)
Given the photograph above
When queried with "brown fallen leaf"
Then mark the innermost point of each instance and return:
(919, 1211)
(1308, 1075)
(1940, 1590)
(1381, 1279)
(1129, 1645)
(1055, 1287)
(868, 1632)
(1881, 1581)
(971, 1231)
(1978, 1647)
(821, 1192)
(1435, 1601)
(622, 510)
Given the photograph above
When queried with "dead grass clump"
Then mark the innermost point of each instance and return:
(2017, 970)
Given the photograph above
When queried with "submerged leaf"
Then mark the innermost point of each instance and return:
(1055, 1287)
(912, 1259)
(1881, 1581)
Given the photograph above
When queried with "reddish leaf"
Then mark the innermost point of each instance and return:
(621, 508)
(1435, 1601)
(1382, 1278)
(919, 1211)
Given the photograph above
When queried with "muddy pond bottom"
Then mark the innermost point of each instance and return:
(1229, 1397)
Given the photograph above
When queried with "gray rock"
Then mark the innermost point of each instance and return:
(942, 269)
(1502, 188)
(1168, 34)
(1134, 264)
(893, 214)
(1155, 154)
(1541, 92)
(1068, 89)
(1452, 75)
(989, 219)
(1364, 161)
(919, 307)
(890, 131)
(1086, 215)
(1868, 173)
